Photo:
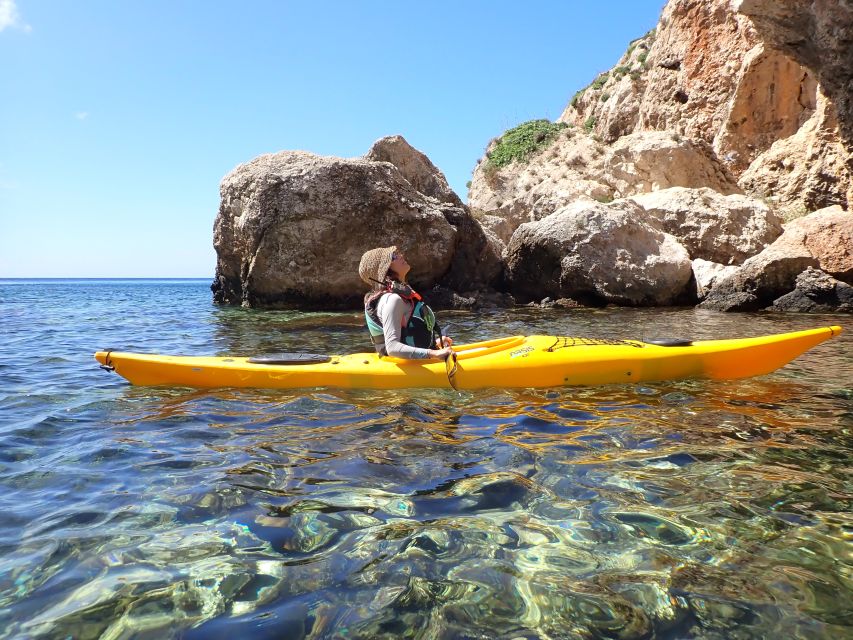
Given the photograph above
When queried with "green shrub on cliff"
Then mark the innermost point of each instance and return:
(521, 142)
(575, 98)
(599, 81)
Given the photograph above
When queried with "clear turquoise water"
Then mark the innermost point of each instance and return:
(672, 510)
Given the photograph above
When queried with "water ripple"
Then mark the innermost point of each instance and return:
(690, 509)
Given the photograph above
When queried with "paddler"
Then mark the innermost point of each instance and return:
(401, 324)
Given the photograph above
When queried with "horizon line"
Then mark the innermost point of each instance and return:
(106, 277)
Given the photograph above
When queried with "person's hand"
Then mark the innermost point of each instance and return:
(444, 342)
(440, 354)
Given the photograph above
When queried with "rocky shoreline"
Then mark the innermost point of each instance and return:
(713, 165)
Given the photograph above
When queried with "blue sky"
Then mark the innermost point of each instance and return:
(119, 119)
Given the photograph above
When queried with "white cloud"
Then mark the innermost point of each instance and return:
(10, 17)
(81, 115)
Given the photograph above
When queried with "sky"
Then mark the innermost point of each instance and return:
(119, 119)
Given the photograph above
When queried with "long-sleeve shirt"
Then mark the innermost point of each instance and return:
(395, 312)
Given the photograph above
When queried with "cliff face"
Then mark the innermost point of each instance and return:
(817, 35)
(666, 181)
(728, 117)
(762, 81)
(765, 84)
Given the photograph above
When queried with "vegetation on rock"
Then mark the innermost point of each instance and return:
(600, 80)
(619, 71)
(521, 142)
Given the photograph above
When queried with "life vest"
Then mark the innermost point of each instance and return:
(421, 329)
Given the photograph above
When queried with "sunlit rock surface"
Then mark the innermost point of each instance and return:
(292, 227)
(713, 227)
(599, 253)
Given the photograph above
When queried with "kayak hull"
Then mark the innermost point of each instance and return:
(517, 361)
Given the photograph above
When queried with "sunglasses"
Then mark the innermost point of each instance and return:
(395, 256)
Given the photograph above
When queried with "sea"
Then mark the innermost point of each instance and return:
(690, 509)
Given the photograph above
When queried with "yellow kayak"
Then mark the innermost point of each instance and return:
(517, 361)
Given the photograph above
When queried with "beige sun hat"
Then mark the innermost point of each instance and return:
(374, 265)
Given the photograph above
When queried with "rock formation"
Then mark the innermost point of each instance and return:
(665, 181)
(713, 227)
(597, 254)
(705, 75)
(415, 167)
(816, 292)
(822, 241)
(828, 236)
(758, 80)
(292, 227)
(706, 274)
(818, 36)
(579, 167)
(729, 117)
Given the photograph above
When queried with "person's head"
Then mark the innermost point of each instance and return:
(377, 265)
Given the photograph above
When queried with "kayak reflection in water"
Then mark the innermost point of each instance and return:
(401, 324)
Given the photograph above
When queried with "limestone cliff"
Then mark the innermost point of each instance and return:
(763, 84)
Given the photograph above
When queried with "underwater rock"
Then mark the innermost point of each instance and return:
(495, 491)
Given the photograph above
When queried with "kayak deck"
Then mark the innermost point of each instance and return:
(515, 361)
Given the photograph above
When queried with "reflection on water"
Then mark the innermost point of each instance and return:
(690, 509)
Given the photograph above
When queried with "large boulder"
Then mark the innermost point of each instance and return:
(821, 240)
(717, 228)
(828, 236)
(815, 291)
(292, 227)
(597, 253)
(707, 274)
(415, 166)
(761, 279)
